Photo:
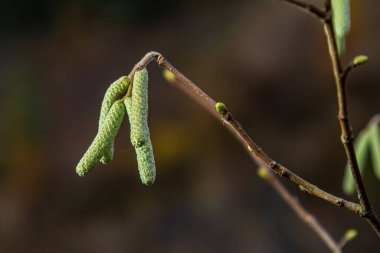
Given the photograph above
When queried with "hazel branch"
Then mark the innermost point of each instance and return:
(347, 137)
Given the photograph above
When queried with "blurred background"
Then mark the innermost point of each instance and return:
(266, 60)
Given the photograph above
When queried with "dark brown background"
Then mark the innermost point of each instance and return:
(267, 61)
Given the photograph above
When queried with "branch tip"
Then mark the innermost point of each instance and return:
(359, 60)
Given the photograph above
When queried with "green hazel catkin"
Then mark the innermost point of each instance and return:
(341, 21)
(137, 109)
(146, 163)
(144, 153)
(113, 93)
(105, 135)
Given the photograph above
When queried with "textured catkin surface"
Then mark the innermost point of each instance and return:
(146, 164)
(341, 21)
(113, 93)
(137, 108)
(106, 134)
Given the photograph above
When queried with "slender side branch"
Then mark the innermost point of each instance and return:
(308, 8)
(346, 71)
(357, 61)
(258, 153)
(303, 214)
(347, 137)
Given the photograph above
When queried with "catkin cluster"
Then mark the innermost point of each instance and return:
(112, 113)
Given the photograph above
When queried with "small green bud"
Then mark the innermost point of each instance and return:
(359, 60)
(350, 234)
(221, 108)
(263, 173)
(169, 76)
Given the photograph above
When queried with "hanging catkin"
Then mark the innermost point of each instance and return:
(113, 93)
(137, 109)
(106, 134)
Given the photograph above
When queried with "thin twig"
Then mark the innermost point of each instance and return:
(308, 8)
(346, 71)
(347, 138)
(303, 214)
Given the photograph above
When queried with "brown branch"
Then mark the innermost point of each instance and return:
(347, 138)
(308, 8)
(346, 71)
(284, 172)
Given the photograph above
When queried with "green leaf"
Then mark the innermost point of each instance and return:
(362, 144)
(375, 148)
(341, 21)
